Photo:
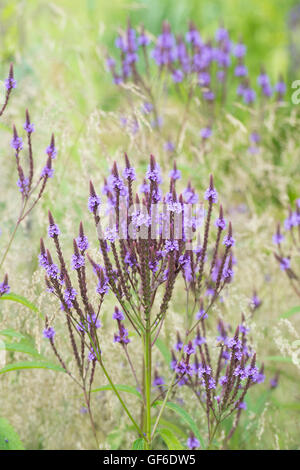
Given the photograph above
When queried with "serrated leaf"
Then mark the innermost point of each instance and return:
(291, 312)
(186, 417)
(21, 300)
(170, 439)
(9, 439)
(138, 444)
(31, 365)
(120, 388)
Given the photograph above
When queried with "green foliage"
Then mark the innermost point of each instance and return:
(185, 417)
(170, 439)
(138, 444)
(291, 312)
(21, 300)
(164, 350)
(9, 439)
(31, 365)
(120, 388)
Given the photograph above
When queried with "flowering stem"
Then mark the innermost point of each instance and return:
(170, 387)
(88, 404)
(120, 399)
(14, 233)
(133, 371)
(147, 355)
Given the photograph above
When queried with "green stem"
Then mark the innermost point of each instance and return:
(147, 355)
(120, 400)
(13, 234)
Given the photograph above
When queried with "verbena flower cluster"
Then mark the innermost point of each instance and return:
(31, 188)
(212, 61)
(147, 240)
(219, 387)
(10, 83)
(195, 66)
(287, 241)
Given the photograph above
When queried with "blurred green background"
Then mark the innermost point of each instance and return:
(64, 42)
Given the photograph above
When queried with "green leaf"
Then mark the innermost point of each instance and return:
(114, 439)
(291, 312)
(120, 388)
(164, 350)
(173, 427)
(22, 347)
(170, 439)
(138, 444)
(11, 333)
(186, 417)
(9, 439)
(21, 300)
(278, 359)
(31, 365)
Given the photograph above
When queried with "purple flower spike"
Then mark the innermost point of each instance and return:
(77, 260)
(220, 221)
(53, 229)
(51, 150)
(122, 337)
(249, 95)
(280, 87)
(177, 76)
(49, 333)
(118, 315)
(4, 287)
(28, 126)
(82, 240)
(94, 200)
(240, 50)
(228, 239)
(211, 194)
(153, 172)
(47, 171)
(285, 263)
(158, 380)
(16, 141)
(189, 349)
(206, 132)
(175, 174)
(192, 442)
(10, 82)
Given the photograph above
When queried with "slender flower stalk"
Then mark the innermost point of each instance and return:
(10, 83)
(287, 243)
(31, 192)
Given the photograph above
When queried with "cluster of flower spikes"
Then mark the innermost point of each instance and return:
(81, 317)
(288, 243)
(211, 62)
(221, 387)
(25, 183)
(10, 83)
(152, 243)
